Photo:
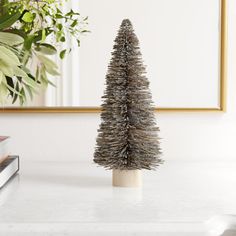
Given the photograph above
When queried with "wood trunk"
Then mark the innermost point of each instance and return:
(126, 178)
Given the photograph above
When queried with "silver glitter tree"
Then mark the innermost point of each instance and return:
(128, 135)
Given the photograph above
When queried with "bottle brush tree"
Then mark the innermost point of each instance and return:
(128, 135)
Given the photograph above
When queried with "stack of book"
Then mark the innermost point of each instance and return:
(9, 165)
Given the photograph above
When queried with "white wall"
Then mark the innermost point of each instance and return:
(191, 136)
(179, 44)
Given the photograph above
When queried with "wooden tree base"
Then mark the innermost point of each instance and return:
(126, 178)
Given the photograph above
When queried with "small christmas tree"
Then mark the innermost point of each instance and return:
(128, 135)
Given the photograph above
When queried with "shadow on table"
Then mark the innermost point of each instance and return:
(222, 225)
(229, 233)
(70, 181)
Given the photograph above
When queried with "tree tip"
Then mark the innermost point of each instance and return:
(126, 22)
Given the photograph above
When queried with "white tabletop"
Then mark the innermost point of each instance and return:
(49, 198)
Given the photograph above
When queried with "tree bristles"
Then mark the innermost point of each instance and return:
(128, 135)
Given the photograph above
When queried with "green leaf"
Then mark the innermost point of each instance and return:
(3, 92)
(10, 39)
(58, 35)
(46, 61)
(2, 76)
(15, 96)
(23, 97)
(3, 7)
(51, 83)
(37, 74)
(10, 82)
(19, 32)
(28, 41)
(59, 26)
(59, 11)
(39, 35)
(59, 16)
(9, 57)
(12, 89)
(54, 22)
(63, 39)
(52, 71)
(43, 35)
(26, 57)
(26, 79)
(30, 82)
(62, 53)
(6, 69)
(50, 66)
(46, 48)
(29, 90)
(74, 23)
(28, 17)
(85, 31)
(71, 13)
(43, 77)
(8, 19)
(19, 72)
(33, 90)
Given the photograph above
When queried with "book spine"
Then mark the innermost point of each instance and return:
(9, 170)
(4, 151)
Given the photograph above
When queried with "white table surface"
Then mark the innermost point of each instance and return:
(180, 198)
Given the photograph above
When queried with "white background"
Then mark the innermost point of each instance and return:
(190, 136)
(179, 41)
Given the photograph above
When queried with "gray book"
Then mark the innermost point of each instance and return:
(8, 168)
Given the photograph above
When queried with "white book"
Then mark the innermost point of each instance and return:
(8, 168)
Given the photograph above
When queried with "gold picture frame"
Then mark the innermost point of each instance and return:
(223, 75)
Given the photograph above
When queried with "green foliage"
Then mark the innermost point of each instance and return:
(10, 69)
(10, 39)
(33, 30)
(10, 17)
(62, 53)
